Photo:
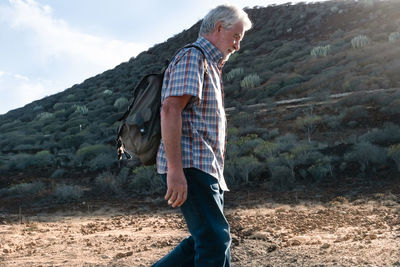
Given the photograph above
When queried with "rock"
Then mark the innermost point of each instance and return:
(294, 242)
(235, 240)
(271, 248)
(325, 246)
(123, 255)
(260, 235)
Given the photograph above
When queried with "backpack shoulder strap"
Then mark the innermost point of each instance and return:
(204, 56)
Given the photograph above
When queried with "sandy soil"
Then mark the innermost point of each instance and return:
(364, 231)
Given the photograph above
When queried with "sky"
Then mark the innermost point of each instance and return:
(47, 46)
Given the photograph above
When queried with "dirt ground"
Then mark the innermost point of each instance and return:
(362, 231)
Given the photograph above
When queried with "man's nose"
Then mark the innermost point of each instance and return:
(236, 45)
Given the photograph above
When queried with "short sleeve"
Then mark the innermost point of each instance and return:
(185, 75)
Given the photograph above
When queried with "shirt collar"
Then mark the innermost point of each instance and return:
(213, 53)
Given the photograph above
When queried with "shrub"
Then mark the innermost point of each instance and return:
(388, 134)
(20, 162)
(60, 106)
(281, 178)
(233, 57)
(355, 112)
(266, 150)
(230, 171)
(102, 161)
(83, 110)
(309, 124)
(248, 143)
(67, 193)
(333, 122)
(293, 79)
(107, 92)
(334, 9)
(23, 189)
(108, 183)
(45, 116)
(44, 159)
(246, 165)
(321, 168)
(90, 152)
(286, 142)
(359, 41)
(320, 51)
(270, 134)
(368, 3)
(367, 155)
(394, 154)
(250, 81)
(60, 114)
(70, 97)
(393, 108)
(121, 103)
(394, 36)
(71, 141)
(145, 181)
(232, 150)
(38, 108)
(59, 173)
(235, 73)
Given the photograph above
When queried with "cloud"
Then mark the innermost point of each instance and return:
(56, 39)
(23, 90)
(50, 55)
(21, 77)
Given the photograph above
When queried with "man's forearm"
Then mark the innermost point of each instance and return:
(171, 130)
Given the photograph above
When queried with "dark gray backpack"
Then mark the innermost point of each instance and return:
(139, 131)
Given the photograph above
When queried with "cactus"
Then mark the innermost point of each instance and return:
(359, 41)
(334, 9)
(394, 36)
(237, 72)
(81, 109)
(107, 92)
(45, 116)
(250, 81)
(121, 103)
(320, 51)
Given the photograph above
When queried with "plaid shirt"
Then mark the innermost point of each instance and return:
(203, 120)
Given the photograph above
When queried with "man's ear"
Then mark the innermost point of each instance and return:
(218, 26)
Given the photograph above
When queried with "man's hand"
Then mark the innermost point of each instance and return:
(171, 132)
(177, 188)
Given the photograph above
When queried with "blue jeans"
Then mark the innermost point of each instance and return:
(209, 243)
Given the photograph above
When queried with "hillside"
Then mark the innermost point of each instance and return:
(342, 57)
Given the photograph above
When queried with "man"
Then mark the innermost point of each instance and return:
(193, 125)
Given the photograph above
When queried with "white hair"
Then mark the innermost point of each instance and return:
(229, 15)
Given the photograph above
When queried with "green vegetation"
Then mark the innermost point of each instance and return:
(394, 154)
(320, 51)
(67, 193)
(235, 73)
(121, 103)
(359, 41)
(45, 116)
(107, 92)
(394, 36)
(250, 81)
